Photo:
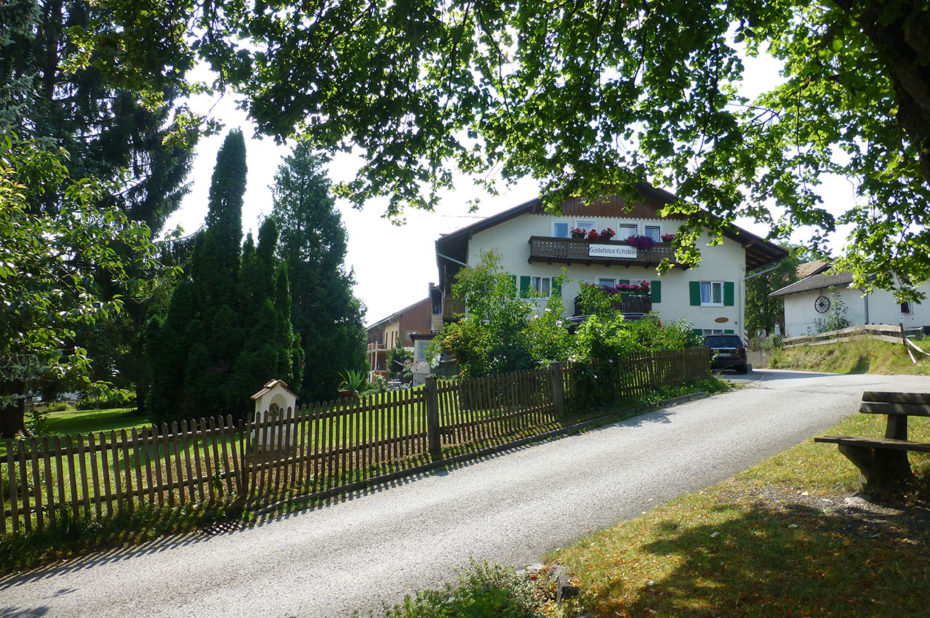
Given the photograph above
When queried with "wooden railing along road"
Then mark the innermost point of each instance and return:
(315, 450)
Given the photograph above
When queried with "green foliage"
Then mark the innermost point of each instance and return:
(228, 328)
(104, 395)
(325, 313)
(481, 590)
(587, 96)
(764, 312)
(499, 332)
(398, 363)
(136, 140)
(353, 380)
(491, 337)
(50, 264)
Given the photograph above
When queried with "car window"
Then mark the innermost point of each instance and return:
(722, 341)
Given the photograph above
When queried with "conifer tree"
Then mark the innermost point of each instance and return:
(228, 328)
(325, 313)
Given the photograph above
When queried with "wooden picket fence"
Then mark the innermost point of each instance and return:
(316, 450)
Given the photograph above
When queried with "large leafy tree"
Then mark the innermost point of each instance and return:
(138, 138)
(763, 312)
(49, 272)
(591, 97)
(325, 311)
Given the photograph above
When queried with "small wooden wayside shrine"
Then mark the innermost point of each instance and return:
(275, 411)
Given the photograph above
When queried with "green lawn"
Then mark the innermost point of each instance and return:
(74, 422)
(776, 540)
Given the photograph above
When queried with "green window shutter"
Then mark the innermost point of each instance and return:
(524, 286)
(695, 289)
(556, 288)
(728, 293)
(619, 281)
(655, 287)
(728, 331)
(697, 331)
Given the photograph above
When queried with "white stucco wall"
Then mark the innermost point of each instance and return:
(801, 317)
(725, 262)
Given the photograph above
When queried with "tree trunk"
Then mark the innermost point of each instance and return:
(902, 39)
(13, 417)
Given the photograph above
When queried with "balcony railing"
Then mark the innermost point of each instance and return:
(627, 304)
(611, 252)
(451, 308)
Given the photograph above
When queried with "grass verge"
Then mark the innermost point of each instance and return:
(858, 356)
(778, 539)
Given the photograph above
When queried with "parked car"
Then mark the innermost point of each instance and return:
(727, 352)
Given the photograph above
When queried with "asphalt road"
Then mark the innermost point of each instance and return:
(509, 509)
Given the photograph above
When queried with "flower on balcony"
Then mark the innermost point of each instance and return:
(607, 234)
(621, 288)
(632, 288)
(593, 235)
(668, 237)
(577, 232)
(640, 242)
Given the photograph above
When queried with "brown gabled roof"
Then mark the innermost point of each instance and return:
(270, 385)
(397, 314)
(452, 249)
(812, 268)
(820, 280)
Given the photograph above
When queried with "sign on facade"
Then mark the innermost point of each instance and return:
(612, 251)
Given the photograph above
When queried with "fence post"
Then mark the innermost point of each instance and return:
(558, 391)
(432, 417)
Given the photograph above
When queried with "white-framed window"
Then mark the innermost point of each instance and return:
(654, 232)
(542, 285)
(560, 229)
(712, 331)
(625, 230)
(585, 224)
(905, 307)
(606, 282)
(712, 293)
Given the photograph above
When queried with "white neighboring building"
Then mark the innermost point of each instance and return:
(534, 246)
(815, 296)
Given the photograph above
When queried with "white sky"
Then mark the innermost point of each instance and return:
(394, 264)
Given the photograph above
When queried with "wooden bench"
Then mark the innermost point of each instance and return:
(883, 461)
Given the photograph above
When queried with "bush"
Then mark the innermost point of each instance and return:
(106, 396)
(482, 590)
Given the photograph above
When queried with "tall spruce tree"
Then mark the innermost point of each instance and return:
(325, 312)
(228, 327)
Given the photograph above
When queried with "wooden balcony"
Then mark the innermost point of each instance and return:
(452, 308)
(611, 252)
(627, 304)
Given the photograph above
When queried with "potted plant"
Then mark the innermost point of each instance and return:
(640, 242)
(668, 237)
(577, 233)
(353, 381)
(593, 235)
(607, 234)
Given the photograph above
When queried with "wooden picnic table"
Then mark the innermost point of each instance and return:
(883, 461)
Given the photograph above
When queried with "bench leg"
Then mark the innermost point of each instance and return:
(882, 469)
